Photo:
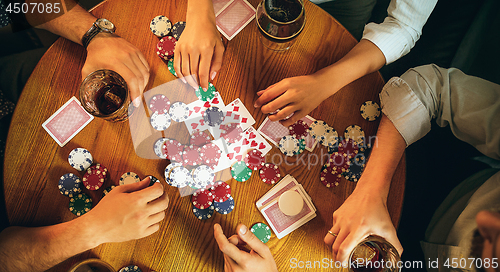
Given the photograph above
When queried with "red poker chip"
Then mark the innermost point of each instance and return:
(202, 199)
(269, 173)
(339, 161)
(330, 178)
(191, 155)
(210, 154)
(159, 103)
(221, 191)
(199, 138)
(348, 148)
(93, 179)
(231, 132)
(99, 168)
(173, 150)
(300, 129)
(165, 47)
(254, 159)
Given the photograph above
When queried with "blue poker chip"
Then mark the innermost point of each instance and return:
(130, 268)
(224, 207)
(69, 184)
(203, 214)
(80, 159)
(107, 190)
(153, 180)
(213, 116)
(356, 168)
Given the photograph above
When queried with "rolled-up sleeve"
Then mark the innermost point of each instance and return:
(401, 29)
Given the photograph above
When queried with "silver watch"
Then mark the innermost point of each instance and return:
(100, 25)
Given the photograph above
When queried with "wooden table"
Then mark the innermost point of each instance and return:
(34, 162)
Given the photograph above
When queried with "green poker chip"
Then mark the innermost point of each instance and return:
(302, 146)
(240, 171)
(261, 231)
(208, 95)
(80, 204)
(171, 67)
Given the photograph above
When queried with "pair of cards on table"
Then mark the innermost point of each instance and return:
(232, 16)
(281, 223)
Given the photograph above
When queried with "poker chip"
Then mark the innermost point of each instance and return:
(93, 178)
(213, 116)
(290, 203)
(203, 214)
(261, 231)
(80, 159)
(107, 190)
(370, 111)
(173, 150)
(159, 148)
(130, 268)
(353, 173)
(152, 180)
(289, 145)
(231, 132)
(203, 176)
(165, 47)
(180, 177)
(355, 133)
(299, 129)
(302, 146)
(191, 155)
(338, 160)
(269, 173)
(348, 148)
(330, 138)
(199, 138)
(318, 129)
(224, 207)
(202, 199)
(168, 169)
(208, 95)
(171, 68)
(210, 154)
(159, 103)
(177, 29)
(80, 204)
(69, 184)
(221, 191)
(160, 121)
(329, 177)
(240, 171)
(160, 26)
(179, 112)
(254, 159)
(129, 178)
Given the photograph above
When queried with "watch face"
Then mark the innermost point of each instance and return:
(105, 24)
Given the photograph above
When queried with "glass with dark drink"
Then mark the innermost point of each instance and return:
(104, 94)
(280, 22)
(374, 254)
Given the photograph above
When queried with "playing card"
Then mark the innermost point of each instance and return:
(253, 140)
(224, 161)
(282, 186)
(236, 151)
(238, 110)
(67, 121)
(233, 17)
(220, 5)
(274, 131)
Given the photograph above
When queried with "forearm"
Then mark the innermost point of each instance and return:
(200, 9)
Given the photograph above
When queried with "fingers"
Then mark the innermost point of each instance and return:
(194, 62)
(329, 238)
(150, 193)
(159, 204)
(338, 248)
(269, 94)
(204, 68)
(251, 240)
(226, 247)
(216, 60)
(128, 188)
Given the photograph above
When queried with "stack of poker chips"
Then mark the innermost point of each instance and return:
(162, 27)
(216, 199)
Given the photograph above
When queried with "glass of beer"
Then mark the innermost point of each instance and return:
(104, 94)
(280, 22)
(92, 265)
(374, 254)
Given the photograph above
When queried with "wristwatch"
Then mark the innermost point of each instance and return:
(100, 25)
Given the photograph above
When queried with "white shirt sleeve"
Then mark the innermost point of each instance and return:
(401, 29)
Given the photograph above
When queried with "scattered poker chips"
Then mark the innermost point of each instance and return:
(370, 111)
(261, 231)
(165, 47)
(180, 177)
(80, 159)
(289, 145)
(191, 155)
(231, 132)
(221, 191)
(208, 95)
(128, 178)
(130, 268)
(355, 133)
(269, 173)
(177, 29)
(160, 26)
(202, 199)
(299, 130)
(159, 148)
(173, 150)
(69, 184)
(203, 176)
(224, 207)
(179, 112)
(107, 190)
(210, 154)
(203, 214)
(254, 159)
(199, 138)
(94, 177)
(240, 171)
(159, 103)
(213, 116)
(171, 68)
(80, 204)
(160, 121)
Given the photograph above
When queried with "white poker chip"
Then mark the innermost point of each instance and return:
(370, 111)
(160, 121)
(80, 159)
(318, 129)
(289, 145)
(330, 138)
(158, 148)
(129, 178)
(160, 26)
(179, 112)
(355, 133)
(168, 170)
(180, 177)
(203, 176)
(290, 203)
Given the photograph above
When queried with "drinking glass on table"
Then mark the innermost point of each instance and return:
(280, 22)
(104, 94)
(374, 254)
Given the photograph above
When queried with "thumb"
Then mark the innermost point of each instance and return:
(251, 240)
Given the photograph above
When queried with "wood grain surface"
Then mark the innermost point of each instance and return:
(34, 162)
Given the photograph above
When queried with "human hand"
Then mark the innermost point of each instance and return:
(258, 259)
(199, 51)
(295, 95)
(109, 51)
(128, 212)
(371, 217)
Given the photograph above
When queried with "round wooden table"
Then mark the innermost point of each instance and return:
(34, 161)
